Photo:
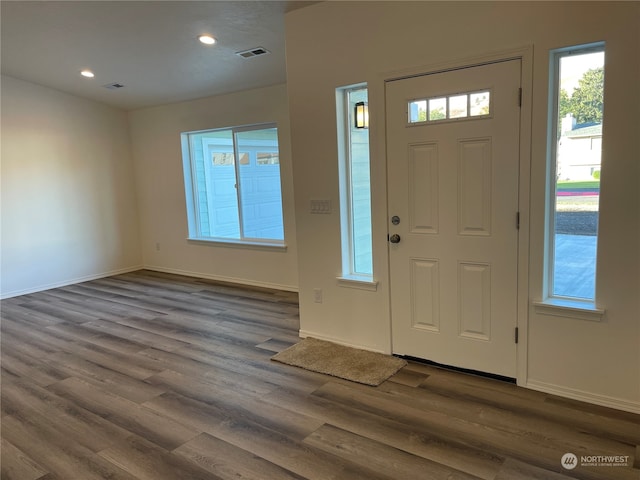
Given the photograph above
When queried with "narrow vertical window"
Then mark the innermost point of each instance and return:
(575, 138)
(355, 184)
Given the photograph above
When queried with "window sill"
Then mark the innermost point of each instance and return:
(362, 282)
(570, 308)
(230, 243)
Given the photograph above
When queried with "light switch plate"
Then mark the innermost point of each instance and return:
(320, 206)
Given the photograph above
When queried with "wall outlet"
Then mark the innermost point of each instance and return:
(317, 295)
(158, 246)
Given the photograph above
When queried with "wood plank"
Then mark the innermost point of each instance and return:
(58, 311)
(25, 366)
(133, 365)
(102, 340)
(304, 460)
(76, 302)
(16, 465)
(380, 457)
(207, 385)
(255, 364)
(229, 462)
(411, 438)
(223, 405)
(115, 382)
(275, 345)
(39, 341)
(541, 452)
(32, 404)
(536, 428)
(519, 400)
(195, 335)
(409, 378)
(28, 316)
(57, 453)
(119, 329)
(147, 461)
(148, 306)
(110, 303)
(128, 415)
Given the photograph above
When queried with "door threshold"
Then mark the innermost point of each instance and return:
(468, 371)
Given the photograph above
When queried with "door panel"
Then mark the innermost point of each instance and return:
(454, 184)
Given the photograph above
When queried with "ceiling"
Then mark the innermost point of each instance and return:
(150, 47)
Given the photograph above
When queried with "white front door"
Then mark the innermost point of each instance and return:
(453, 186)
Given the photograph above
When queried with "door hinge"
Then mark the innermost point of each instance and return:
(516, 335)
(517, 220)
(520, 97)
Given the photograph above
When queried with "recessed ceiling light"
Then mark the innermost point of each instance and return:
(87, 73)
(207, 39)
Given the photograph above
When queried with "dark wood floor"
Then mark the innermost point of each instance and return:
(154, 376)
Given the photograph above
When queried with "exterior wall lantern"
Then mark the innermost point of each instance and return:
(362, 115)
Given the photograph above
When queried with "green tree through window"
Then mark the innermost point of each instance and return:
(586, 101)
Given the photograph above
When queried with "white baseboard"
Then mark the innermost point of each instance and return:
(221, 278)
(595, 398)
(306, 333)
(71, 281)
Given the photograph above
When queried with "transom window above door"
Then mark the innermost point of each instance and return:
(458, 106)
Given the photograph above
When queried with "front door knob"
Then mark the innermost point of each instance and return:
(395, 238)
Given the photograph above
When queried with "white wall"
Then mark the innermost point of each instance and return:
(594, 361)
(68, 204)
(155, 134)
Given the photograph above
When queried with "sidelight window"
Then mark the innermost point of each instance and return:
(355, 183)
(575, 140)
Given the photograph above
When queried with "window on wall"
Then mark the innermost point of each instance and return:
(232, 181)
(575, 138)
(355, 184)
(451, 107)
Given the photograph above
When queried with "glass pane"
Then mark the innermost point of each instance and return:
(360, 190)
(458, 106)
(479, 103)
(260, 187)
(222, 159)
(244, 158)
(438, 108)
(417, 111)
(216, 185)
(268, 158)
(578, 151)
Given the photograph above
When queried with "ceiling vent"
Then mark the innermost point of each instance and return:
(253, 52)
(113, 86)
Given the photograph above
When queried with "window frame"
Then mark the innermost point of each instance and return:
(349, 276)
(194, 220)
(447, 110)
(552, 304)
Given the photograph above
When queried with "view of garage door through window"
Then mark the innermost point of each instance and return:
(233, 184)
(579, 87)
